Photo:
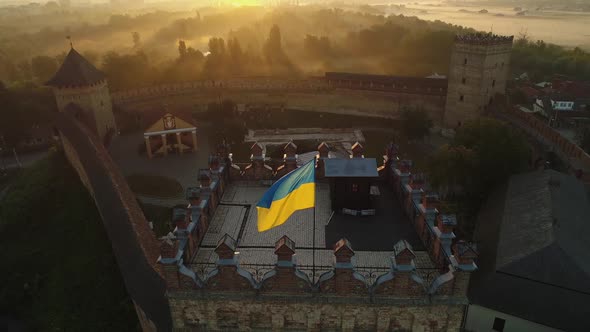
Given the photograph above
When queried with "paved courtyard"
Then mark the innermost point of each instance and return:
(183, 168)
(373, 239)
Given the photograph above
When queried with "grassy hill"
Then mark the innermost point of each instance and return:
(58, 270)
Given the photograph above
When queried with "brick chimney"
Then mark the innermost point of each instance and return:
(418, 181)
(430, 201)
(404, 255)
(256, 151)
(214, 163)
(223, 150)
(285, 249)
(229, 277)
(168, 246)
(226, 248)
(444, 234)
(290, 150)
(446, 223)
(357, 150)
(463, 265)
(465, 253)
(193, 196)
(343, 280)
(167, 261)
(405, 166)
(343, 251)
(391, 151)
(204, 178)
(401, 281)
(290, 156)
(180, 219)
(324, 150)
(286, 278)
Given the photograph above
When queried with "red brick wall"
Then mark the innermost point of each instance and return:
(134, 244)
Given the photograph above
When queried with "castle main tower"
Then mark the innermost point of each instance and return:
(82, 89)
(478, 71)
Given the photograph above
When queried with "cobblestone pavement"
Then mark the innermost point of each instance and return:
(183, 168)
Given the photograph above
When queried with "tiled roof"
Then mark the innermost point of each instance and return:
(352, 167)
(533, 251)
(76, 71)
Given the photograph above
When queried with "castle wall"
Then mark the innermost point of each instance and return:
(310, 95)
(94, 100)
(134, 244)
(192, 313)
(478, 71)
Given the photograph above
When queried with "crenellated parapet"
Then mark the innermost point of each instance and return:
(257, 169)
(402, 279)
(289, 160)
(343, 280)
(228, 276)
(286, 277)
(400, 282)
(434, 227)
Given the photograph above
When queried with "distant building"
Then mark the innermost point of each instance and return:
(168, 132)
(478, 71)
(534, 257)
(82, 90)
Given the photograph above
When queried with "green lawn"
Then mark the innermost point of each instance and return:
(58, 270)
(154, 185)
(160, 216)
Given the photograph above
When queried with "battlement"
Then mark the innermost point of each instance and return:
(200, 258)
(483, 39)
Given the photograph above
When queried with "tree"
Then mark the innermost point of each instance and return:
(415, 124)
(483, 154)
(136, 37)
(43, 67)
(128, 71)
(226, 123)
(181, 48)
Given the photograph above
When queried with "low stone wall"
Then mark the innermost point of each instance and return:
(401, 296)
(134, 244)
(309, 95)
(228, 313)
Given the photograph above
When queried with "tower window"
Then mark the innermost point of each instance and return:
(493, 83)
(461, 98)
(465, 61)
(499, 324)
(464, 80)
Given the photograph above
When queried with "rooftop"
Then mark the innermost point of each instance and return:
(76, 71)
(373, 238)
(533, 250)
(351, 167)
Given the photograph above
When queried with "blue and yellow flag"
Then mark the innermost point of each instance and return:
(294, 191)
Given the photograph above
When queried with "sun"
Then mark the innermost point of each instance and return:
(239, 3)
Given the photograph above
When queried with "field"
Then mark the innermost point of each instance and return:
(567, 28)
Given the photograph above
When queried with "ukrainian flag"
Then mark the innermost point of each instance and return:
(294, 191)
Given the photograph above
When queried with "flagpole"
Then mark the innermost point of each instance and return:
(314, 204)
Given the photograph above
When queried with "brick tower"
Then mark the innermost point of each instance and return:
(478, 71)
(82, 89)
